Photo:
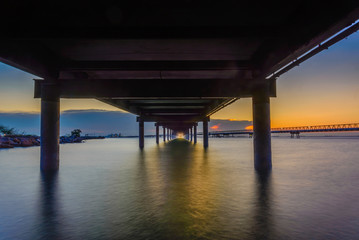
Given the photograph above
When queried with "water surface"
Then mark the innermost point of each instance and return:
(109, 189)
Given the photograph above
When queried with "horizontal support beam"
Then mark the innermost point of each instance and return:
(138, 32)
(119, 104)
(176, 102)
(208, 106)
(173, 119)
(31, 58)
(176, 124)
(155, 88)
(168, 105)
(171, 110)
(156, 65)
(289, 52)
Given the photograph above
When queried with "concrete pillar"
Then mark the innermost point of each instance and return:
(141, 133)
(164, 134)
(205, 133)
(50, 128)
(191, 133)
(157, 134)
(195, 134)
(262, 131)
(168, 134)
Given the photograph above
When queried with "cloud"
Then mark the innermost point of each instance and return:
(228, 124)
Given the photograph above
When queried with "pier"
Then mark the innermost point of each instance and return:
(174, 66)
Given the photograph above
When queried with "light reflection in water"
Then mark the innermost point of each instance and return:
(182, 192)
(175, 193)
(176, 183)
(109, 190)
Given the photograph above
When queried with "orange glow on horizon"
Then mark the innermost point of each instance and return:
(249, 127)
(215, 127)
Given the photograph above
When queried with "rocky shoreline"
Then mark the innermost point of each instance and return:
(11, 141)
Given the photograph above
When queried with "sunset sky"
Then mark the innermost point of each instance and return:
(323, 90)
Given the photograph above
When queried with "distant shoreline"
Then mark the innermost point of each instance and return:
(13, 141)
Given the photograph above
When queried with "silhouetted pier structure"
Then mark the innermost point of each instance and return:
(174, 64)
(294, 131)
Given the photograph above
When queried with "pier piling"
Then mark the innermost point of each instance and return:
(50, 128)
(262, 131)
(157, 134)
(164, 134)
(141, 133)
(195, 134)
(205, 133)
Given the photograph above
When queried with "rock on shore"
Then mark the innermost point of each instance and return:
(71, 139)
(12, 141)
(19, 141)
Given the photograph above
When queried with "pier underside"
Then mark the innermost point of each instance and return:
(172, 64)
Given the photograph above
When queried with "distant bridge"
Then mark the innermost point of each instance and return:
(294, 131)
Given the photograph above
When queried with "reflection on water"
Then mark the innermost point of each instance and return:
(176, 190)
(263, 221)
(48, 218)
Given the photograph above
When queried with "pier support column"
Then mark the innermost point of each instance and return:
(205, 133)
(262, 131)
(195, 134)
(50, 128)
(191, 133)
(164, 134)
(157, 134)
(141, 133)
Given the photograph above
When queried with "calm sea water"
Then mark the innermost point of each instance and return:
(109, 189)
